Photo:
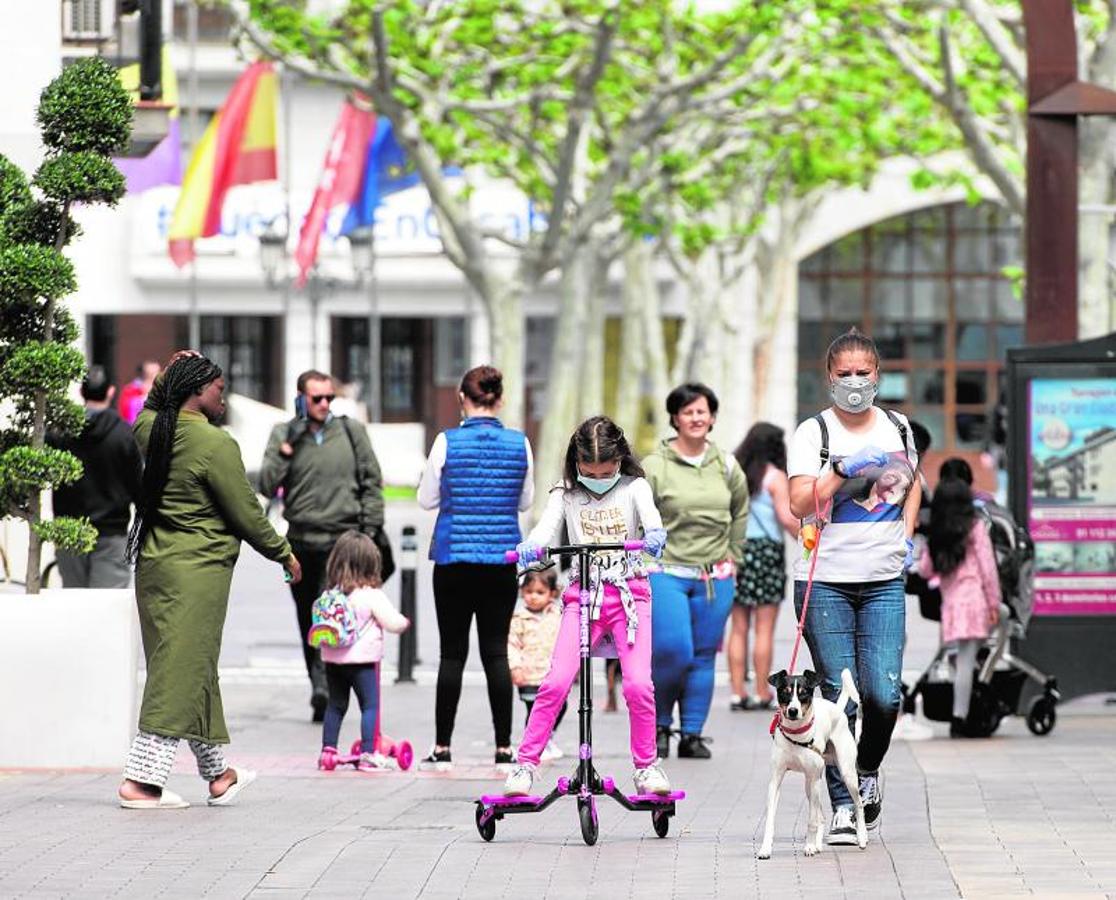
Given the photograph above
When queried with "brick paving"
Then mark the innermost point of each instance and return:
(1011, 816)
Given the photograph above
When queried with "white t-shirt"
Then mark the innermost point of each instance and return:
(865, 539)
(623, 514)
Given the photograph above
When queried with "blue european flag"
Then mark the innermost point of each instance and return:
(386, 170)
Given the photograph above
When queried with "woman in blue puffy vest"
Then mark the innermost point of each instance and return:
(479, 477)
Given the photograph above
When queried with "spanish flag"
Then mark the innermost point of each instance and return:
(238, 147)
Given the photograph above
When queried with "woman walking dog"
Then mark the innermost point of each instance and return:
(857, 613)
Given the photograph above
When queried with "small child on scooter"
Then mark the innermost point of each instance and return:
(354, 569)
(534, 629)
(602, 498)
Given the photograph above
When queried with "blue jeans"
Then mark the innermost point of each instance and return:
(686, 628)
(859, 627)
(363, 680)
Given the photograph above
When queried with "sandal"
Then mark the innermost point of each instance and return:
(751, 703)
(166, 800)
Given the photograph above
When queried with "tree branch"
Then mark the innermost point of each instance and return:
(1000, 39)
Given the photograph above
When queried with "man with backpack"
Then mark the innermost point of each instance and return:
(331, 483)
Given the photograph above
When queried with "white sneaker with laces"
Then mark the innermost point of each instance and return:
(651, 780)
(551, 751)
(518, 783)
(842, 830)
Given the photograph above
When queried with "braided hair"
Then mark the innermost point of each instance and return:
(183, 378)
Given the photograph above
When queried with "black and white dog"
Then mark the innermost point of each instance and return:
(808, 733)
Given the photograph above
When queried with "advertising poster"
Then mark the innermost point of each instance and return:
(1072, 504)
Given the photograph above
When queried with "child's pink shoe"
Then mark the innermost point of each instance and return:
(327, 760)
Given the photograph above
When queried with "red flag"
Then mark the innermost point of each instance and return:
(340, 180)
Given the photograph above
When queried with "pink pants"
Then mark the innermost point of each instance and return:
(635, 663)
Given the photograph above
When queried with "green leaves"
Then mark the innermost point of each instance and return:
(28, 271)
(74, 535)
(80, 177)
(86, 108)
(40, 366)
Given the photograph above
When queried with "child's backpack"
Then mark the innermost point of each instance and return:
(333, 621)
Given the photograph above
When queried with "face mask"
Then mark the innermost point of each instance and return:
(599, 485)
(853, 393)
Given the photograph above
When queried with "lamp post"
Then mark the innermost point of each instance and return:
(275, 266)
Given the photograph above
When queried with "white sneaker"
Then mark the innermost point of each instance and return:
(842, 830)
(551, 751)
(518, 783)
(376, 762)
(651, 780)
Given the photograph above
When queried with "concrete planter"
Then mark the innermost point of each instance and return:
(68, 666)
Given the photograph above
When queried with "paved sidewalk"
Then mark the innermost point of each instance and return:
(1011, 816)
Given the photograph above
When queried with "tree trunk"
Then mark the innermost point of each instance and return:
(654, 344)
(629, 379)
(503, 299)
(564, 379)
(1096, 315)
(595, 283)
(777, 270)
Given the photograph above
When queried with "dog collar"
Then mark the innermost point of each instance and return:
(783, 728)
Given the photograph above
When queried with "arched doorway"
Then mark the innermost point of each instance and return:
(929, 286)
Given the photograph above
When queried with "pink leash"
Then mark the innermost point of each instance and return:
(806, 597)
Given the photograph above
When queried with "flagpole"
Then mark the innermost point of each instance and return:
(375, 400)
(193, 319)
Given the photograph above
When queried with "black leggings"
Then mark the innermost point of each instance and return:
(462, 590)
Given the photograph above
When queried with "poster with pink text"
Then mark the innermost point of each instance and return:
(1072, 504)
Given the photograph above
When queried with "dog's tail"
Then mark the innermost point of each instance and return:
(849, 692)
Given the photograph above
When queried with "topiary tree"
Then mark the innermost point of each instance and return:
(85, 116)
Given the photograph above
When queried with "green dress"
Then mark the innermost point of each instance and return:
(184, 572)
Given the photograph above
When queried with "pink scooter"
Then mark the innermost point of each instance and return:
(400, 751)
(586, 784)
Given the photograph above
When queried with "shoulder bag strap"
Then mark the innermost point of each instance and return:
(824, 451)
(356, 466)
(902, 429)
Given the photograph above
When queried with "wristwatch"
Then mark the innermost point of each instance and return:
(838, 470)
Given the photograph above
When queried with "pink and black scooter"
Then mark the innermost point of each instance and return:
(401, 751)
(585, 784)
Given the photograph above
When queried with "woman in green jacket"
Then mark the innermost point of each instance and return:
(703, 497)
(196, 508)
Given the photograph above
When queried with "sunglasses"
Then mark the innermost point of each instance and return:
(318, 398)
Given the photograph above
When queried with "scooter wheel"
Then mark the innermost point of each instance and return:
(587, 813)
(1042, 716)
(661, 820)
(486, 830)
(404, 755)
(327, 762)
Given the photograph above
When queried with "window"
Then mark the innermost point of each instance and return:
(245, 348)
(451, 352)
(929, 288)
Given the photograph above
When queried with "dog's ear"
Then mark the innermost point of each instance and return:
(812, 679)
(778, 678)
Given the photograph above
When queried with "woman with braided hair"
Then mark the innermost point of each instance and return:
(196, 507)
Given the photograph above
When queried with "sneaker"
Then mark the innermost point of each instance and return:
(872, 798)
(436, 761)
(551, 751)
(375, 762)
(738, 703)
(842, 830)
(692, 746)
(519, 781)
(651, 780)
(504, 760)
(662, 741)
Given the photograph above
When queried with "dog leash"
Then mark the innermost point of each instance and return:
(806, 597)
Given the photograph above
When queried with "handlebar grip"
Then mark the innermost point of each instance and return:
(511, 556)
(633, 545)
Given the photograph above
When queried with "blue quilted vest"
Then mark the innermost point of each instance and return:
(481, 482)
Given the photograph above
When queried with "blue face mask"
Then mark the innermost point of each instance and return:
(599, 485)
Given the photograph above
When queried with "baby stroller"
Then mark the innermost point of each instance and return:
(1004, 684)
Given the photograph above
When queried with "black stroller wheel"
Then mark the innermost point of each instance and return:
(588, 816)
(660, 819)
(1042, 716)
(487, 830)
(984, 712)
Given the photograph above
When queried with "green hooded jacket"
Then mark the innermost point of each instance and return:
(704, 508)
(184, 572)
